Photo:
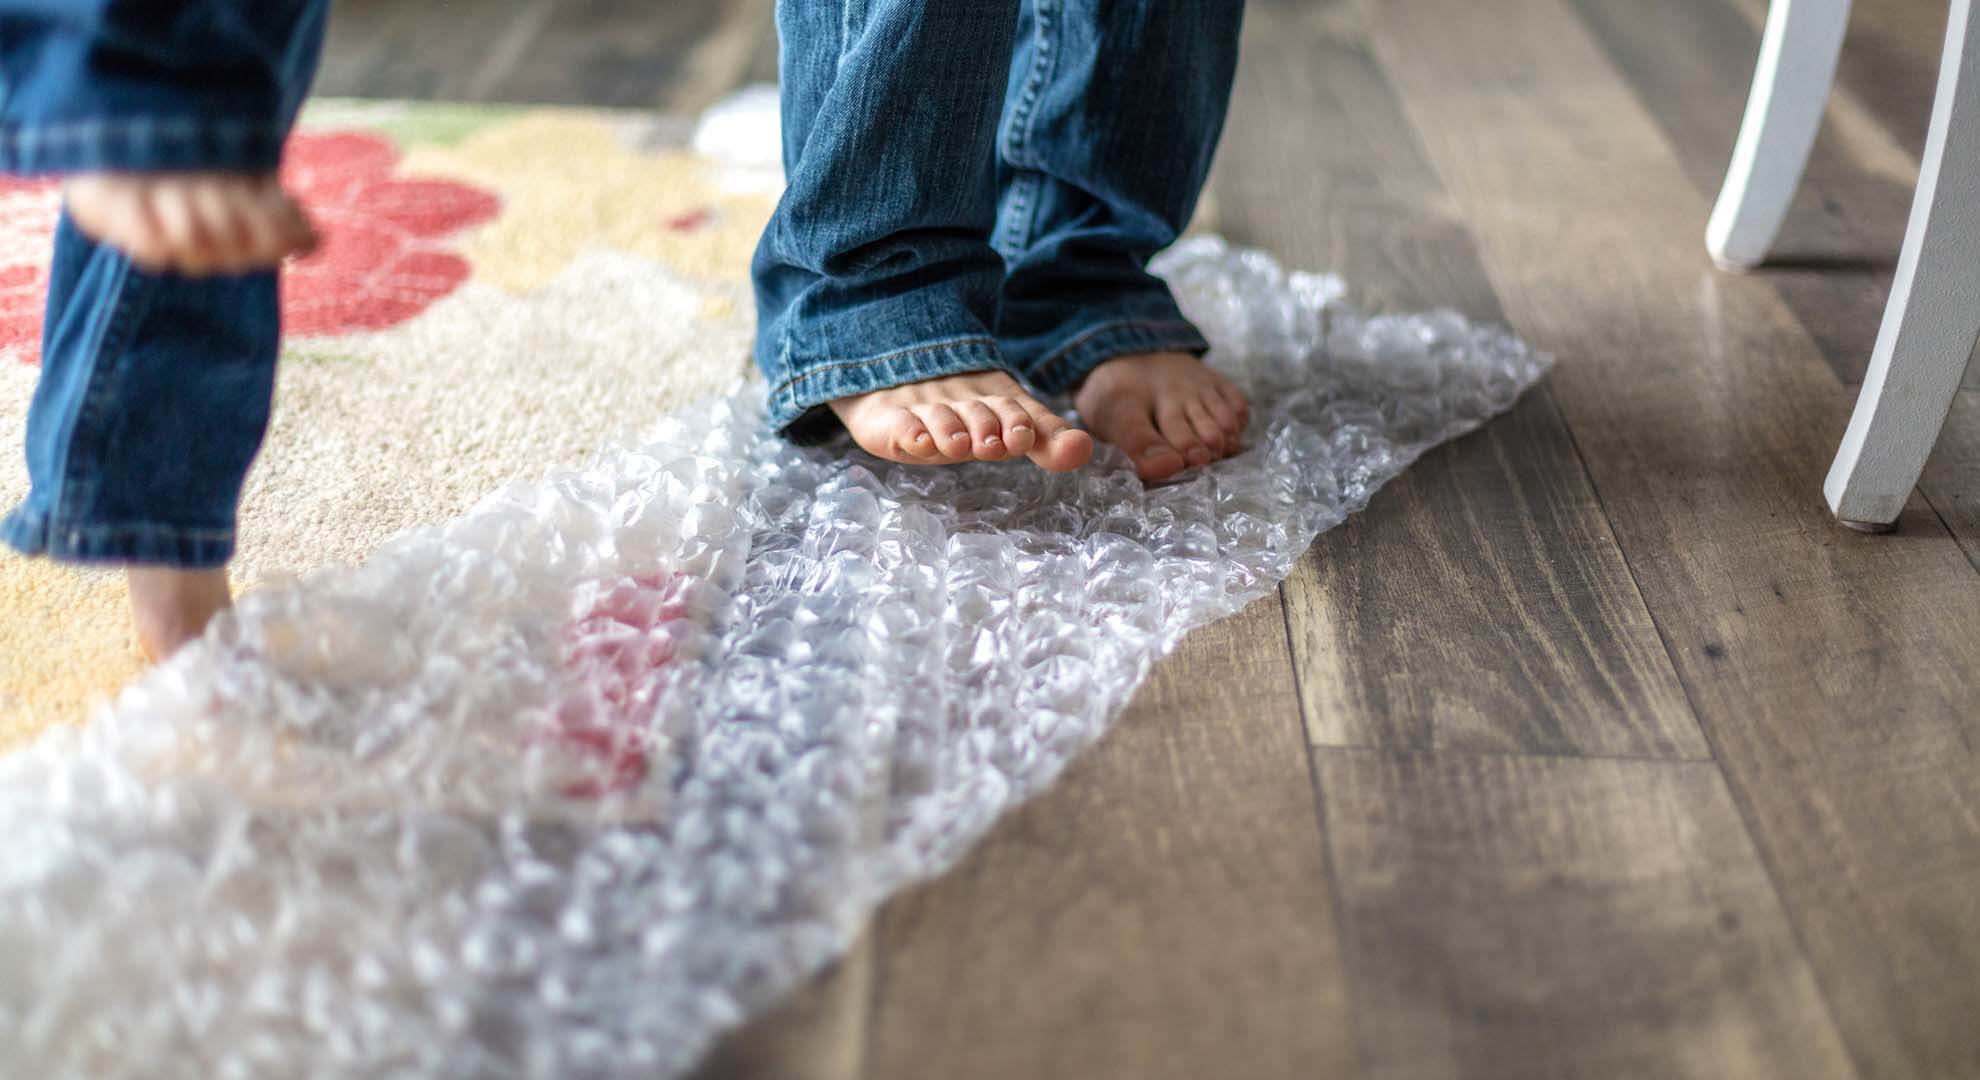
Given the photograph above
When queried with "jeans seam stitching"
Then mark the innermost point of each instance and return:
(1017, 146)
(142, 528)
(70, 131)
(106, 345)
(1022, 135)
(851, 22)
(84, 145)
(1017, 234)
(898, 354)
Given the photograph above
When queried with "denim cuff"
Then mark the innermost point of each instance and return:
(795, 403)
(32, 533)
(1066, 366)
(140, 145)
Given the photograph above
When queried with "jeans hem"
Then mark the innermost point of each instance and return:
(34, 534)
(799, 396)
(1065, 367)
(145, 145)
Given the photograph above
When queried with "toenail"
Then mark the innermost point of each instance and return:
(959, 437)
(1155, 452)
(992, 440)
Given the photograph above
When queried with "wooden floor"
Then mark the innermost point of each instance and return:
(1593, 749)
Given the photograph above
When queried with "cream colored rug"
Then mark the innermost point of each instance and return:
(501, 289)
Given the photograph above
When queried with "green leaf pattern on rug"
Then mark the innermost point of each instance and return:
(408, 123)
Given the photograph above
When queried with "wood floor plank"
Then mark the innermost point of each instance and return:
(1890, 61)
(763, 62)
(628, 53)
(1161, 912)
(1838, 676)
(1885, 80)
(524, 31)
(1480, 602)
(724, 57)
(353, 39)
(1952, 476)
(1522, 917)
(608, 53)
(419, 52)
(819, 1034)
(1351, 193)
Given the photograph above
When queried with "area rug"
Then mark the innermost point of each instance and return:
(575, 780)
(500, 289)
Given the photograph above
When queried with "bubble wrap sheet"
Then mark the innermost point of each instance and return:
(573, 784)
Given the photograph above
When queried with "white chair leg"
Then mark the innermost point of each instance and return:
(1790, 90)
(1934, 312)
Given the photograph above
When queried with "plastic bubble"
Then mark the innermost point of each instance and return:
(570, 785)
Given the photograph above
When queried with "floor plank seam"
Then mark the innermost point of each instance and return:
(1516, 755)
(1946, 523)
(1334, 898)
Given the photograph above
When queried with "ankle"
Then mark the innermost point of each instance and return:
(171, 608)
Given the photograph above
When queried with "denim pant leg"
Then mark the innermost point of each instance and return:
(155, 388)
(877, 268)
(1113, 115)
(99, 85)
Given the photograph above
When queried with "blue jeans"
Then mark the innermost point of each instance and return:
(978, 185)
(155, 388)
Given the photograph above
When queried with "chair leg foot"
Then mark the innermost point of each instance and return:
(1791, 84)
(1874, 527)
(1734, 266)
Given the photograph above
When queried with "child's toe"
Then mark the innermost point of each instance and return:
(951, 435)
(986, 430)
(1155, 457)
(1056, 445)
(1173, 423)
(1215, 438)
(1229, 421)
(1020, 433)
(1232, 397)
(1065, 451)
(909, 437)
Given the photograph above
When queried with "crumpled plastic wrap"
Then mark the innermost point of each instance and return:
(573, 784)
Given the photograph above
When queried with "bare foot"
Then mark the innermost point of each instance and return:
(172, 607)
(981, 416)
(191, 223)
(1167, 410)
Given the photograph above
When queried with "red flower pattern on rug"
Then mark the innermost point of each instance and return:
(383, 260)
(28, 209)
